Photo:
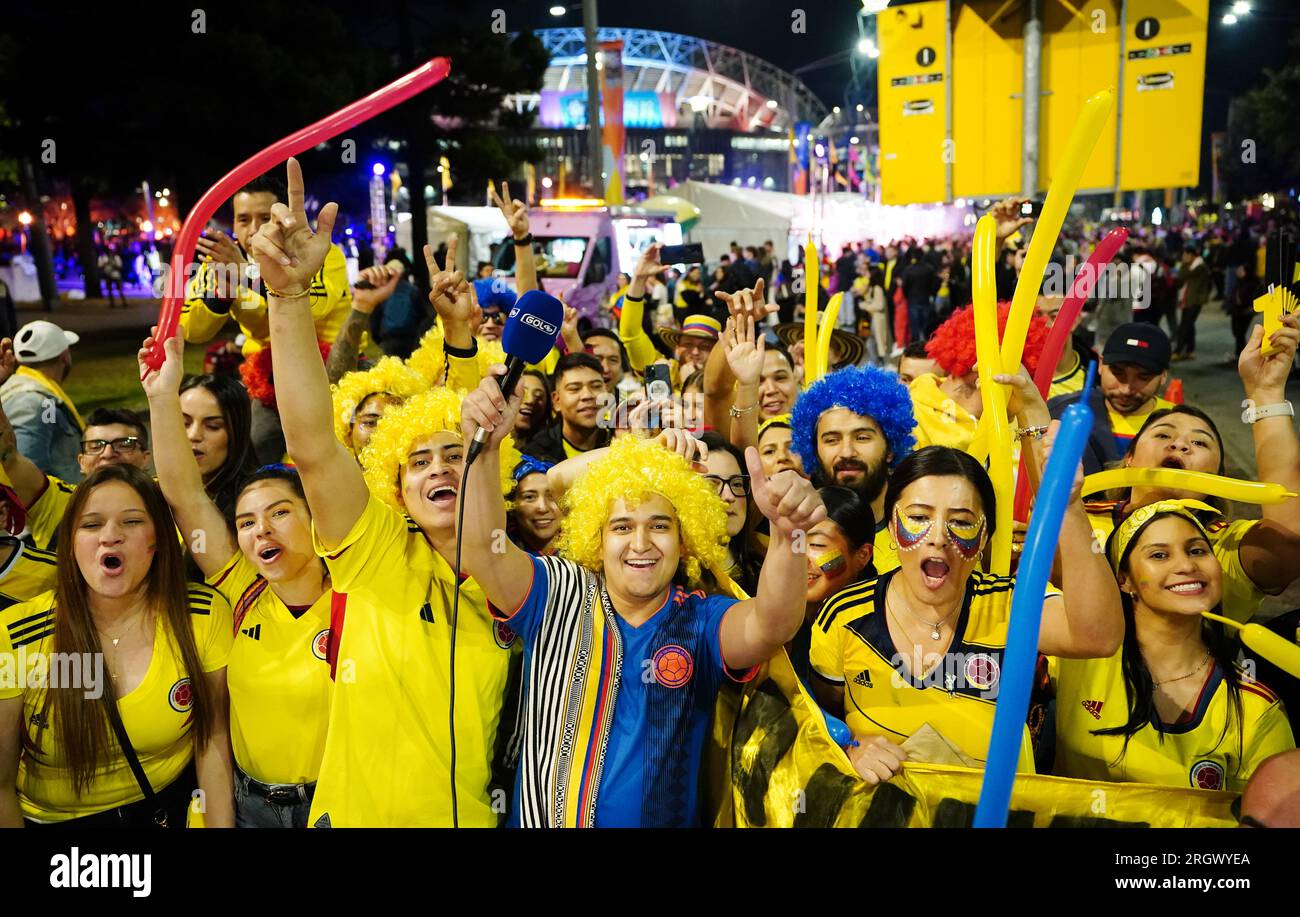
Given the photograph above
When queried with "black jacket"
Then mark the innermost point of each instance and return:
(1101, 451)
(548, 445)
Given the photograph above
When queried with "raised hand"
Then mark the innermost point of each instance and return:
(1007, 214)
(748, 303)
(648, 264)
(383, 280)
(515, 211)
(219, 248)
(1264, 376)
(166, 380)
(684, 443)
(788, 501)
(744, 349)
(486, 408)
(449, 293)
(288, 253)
(1024, 399)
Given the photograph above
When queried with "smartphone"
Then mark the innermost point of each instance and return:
(682, 254)
(1031, 209)
(657, 384)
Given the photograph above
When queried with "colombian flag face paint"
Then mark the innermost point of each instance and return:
(966, 536)
(910, 534)
(831, 562)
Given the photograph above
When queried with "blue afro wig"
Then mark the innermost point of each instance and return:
(494, 292)
(866, 390)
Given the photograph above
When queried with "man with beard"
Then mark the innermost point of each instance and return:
(850, 428)
(1134, 368)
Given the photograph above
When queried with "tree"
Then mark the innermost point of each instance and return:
(1263, 143)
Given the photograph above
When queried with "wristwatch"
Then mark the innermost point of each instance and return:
(1253, 412)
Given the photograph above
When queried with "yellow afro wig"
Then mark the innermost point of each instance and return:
(633, 470)
(435, 410)
(389, 376)
(430, 361)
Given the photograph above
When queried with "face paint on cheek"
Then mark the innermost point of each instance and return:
(966, 537)
(831, 562)
(910, 534)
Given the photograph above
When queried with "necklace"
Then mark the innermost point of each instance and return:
(118, 639)
(1188, 675)
(936, 627)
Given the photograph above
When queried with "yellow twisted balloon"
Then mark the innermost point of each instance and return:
(1214, 485)
(824, 335)
(983, 259)
(1087, 130)
(811, 290)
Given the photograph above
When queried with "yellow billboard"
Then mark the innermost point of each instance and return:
(1162, 86)
(987, 76)
(1081, 53)
(913, 109)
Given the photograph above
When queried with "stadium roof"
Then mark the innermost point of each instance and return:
(727, 87)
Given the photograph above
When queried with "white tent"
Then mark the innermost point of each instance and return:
(742, 215)
(476, 230)
(751, 217)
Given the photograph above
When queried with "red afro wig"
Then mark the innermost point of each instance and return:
(258, 378)
(952, 345)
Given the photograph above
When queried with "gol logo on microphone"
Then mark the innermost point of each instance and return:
(540, 324)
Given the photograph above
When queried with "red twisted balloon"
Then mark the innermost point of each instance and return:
(378, 101)
(1059, 336)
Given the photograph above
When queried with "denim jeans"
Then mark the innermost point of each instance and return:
(253, 811)
(920, 319)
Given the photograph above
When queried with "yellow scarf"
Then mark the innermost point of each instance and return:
(54, 389)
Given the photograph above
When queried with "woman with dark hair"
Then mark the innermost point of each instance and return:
(726, 472)
(287, 618)
(535, 410)
(534, 516)
(1191, 717)
(1259, 557)
(69, 753)
(218, 423)
(839, 555)
(923, 644)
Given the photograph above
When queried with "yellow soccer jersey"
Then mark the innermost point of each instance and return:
(386, 757)
(1201, 752)
(46, 511)
(278, 675)
(156, 713)
(851, 646)
(26, 573)
(1126, 426)
(329, 294)
(1241, 597)
(1070, 381)
(884, 554)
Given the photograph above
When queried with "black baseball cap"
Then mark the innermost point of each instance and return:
(1140, 344)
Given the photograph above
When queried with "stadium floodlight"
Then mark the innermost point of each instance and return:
(1229, 19)
(1241, 7)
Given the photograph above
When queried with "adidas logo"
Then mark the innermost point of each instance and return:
(255, 631)
(863, 679)
(426, 613)
(1093, 707)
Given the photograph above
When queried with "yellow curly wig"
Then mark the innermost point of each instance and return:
(430, 361)
(390, 376)
(633, 470)
(435, 410)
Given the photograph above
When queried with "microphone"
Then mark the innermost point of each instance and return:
(530, 332)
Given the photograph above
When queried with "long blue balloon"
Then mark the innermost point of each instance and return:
(1027, 610)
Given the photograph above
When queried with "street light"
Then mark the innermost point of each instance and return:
(557, 10)
(25, 218)
(1229, 19)
(865, 45)
(1241, 7)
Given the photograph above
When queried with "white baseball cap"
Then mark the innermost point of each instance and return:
(39, 341)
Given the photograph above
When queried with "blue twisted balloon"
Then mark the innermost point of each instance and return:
(1027, 611)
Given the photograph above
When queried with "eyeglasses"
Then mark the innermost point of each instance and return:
(496, 318)
(123, 445)
(739, 484)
